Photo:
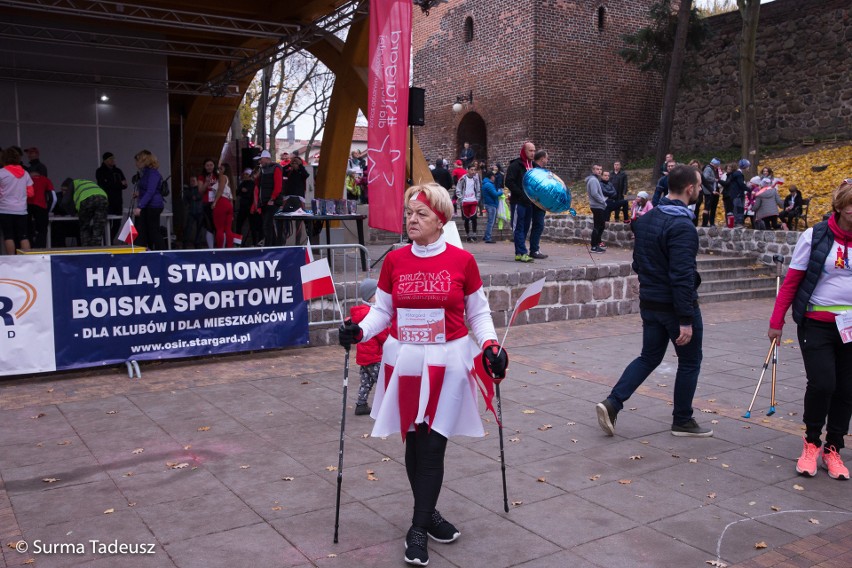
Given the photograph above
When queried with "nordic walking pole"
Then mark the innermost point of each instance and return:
(502, 454)
(340, 451)
(760, 380)
(779, 261)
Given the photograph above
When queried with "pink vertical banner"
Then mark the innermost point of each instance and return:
(387, 110)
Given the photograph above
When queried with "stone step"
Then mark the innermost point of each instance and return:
(735, 284)
(743, 273)
(727, 262)
(733, 295)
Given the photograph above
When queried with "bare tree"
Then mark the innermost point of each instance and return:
(673, 82)
(750, 13)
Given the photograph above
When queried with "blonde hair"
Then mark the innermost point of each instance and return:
(148, 159)
(438, 197)
(842, 197)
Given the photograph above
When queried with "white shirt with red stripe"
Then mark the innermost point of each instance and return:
(430, 383)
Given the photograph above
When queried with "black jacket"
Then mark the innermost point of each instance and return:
(737, 187)
(110, 179)
(295, 184)
(664, 258)
(619, 182)
(515, 182)
(443, 178)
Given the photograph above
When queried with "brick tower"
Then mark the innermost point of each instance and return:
(543, 70)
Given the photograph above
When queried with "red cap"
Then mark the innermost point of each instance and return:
(458, 162)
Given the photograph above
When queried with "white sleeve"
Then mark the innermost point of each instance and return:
(379, 316)
(478, 314)
(802, 252)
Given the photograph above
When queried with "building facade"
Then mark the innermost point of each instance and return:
(546, 71)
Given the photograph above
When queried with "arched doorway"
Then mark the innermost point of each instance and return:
(472, 129)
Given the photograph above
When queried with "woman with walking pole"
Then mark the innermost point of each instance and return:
(819, 287)
(429, 292)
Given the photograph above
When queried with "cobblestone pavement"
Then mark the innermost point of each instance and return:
(230, 462)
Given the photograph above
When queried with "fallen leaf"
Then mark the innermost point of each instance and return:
(29, 561)
(533, 372)
(717, 563)
(752, 503)
(112, 412)
(331, 468)
(676, 456)
(12, 544)
(714, 422)
(693, 460)
(40, 445)
(49, 390)
(775, 508)
(574, 440)
(625, 481)
(646, 442)
(39, 415)
(711, 400)
(187, 447)
(138, 451)
(813, 521)
(726, 466)
(528, 411)
(636, 457)
(331, 555)
(131, 504)
(760, 544)
(595, 477)
(787, 341)
(708, 410)
(542, 480)
(545, 427)
(517, 503)
(50, 479)
(386, 459)
(128, 474)
(109, 511)
(515, 439)
(175, 465)
(572, 424)
(288, 478)
(370, 472)
(711, 458)
(766, 420)
(204, 428)
(711, 495)
(798, 487)
(278, 508)
(365, 435)
(662, 385)
(64, 443)
(245, 466)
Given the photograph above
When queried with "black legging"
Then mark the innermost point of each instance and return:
(472, 220)
(424, 463)
(149, 228)
(828, 394)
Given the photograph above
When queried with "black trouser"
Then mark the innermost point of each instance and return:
(116, 204)
(270, 237)
(38, 221)
(828, 366)
(711, 202)
(468, 221)
(768, 223)
(149, 228)
(599, 221)
(242, 215)
(424, 464)
(617, 205)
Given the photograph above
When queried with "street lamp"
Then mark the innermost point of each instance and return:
(461, 99)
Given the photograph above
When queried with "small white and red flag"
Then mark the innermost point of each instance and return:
(529, 299)
(128, 232)
(316, 280)
(309, 255)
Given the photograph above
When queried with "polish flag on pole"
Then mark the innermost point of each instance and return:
(316, 280)
(529, 299)
(128, 232)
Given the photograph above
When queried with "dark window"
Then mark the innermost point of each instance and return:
(601, 18)
(468, 29)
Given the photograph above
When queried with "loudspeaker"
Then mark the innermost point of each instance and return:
(247, 160)
(416, 106)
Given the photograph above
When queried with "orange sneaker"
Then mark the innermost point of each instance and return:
(807, 464)
(832, 462)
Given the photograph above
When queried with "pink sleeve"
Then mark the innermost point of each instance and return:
(785, 297)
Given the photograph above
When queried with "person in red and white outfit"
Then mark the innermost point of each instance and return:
(429, 292)
(819, 287)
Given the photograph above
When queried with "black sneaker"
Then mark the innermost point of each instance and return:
(598, 250)
(691, 429)
(489, 241)
(415, 547)
(442, 530)
(607, 416)
(361, 409)
(538, 254)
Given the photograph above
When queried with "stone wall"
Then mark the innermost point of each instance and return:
(761, 245)
(578, 292)
(803, 86)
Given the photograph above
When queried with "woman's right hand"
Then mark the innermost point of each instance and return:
(774, 333)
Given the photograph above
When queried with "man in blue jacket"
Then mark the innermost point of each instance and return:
(664, 258)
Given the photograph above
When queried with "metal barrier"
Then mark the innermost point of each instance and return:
(345, 263)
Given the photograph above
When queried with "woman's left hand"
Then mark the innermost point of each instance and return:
(137, 211)
(495, 360)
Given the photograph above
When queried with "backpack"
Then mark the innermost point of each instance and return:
(164, 186)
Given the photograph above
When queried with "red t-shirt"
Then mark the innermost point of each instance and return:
(369, 351)
(440, 281)
(41, 185)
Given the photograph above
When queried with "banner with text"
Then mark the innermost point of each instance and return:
(387, 110)
(71, 311)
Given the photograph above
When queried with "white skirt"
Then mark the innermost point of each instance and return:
(406, 371)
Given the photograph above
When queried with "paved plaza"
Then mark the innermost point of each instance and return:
(231, 462)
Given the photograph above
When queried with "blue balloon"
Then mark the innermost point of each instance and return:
(547, 191)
